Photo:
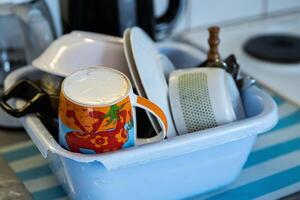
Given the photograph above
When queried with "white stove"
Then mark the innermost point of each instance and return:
(284, 79)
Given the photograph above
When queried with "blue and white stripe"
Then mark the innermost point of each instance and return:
(31, 168)
(271, 171)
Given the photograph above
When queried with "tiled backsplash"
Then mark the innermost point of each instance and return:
(278, 5)
(205, 12)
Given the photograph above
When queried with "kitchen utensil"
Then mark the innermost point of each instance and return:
(114, 16)
(79, 50)
(26, 30)
(233, 66)
(147, 72)
(35, 100)
(216, 154)
(203, 98)
(96, 114)
(213, 56)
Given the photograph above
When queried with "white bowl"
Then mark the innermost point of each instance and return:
(78, 50)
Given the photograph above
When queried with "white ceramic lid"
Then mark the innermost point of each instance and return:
(148, 72)
(79, 50)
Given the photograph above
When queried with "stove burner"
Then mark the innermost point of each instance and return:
(280, 48)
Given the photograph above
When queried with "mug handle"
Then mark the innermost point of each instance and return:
(141, 102)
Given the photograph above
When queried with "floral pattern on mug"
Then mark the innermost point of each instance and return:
(99, 141)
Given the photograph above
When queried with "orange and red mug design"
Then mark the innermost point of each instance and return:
(98, 129)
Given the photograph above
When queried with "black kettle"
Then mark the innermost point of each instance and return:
(114, 16)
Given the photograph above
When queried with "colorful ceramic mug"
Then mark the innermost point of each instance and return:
(96, 112)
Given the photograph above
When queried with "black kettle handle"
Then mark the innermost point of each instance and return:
(170, 13)
(36, 99)
(157, 28)
(166, 22)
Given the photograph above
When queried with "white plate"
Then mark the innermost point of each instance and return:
(145, 66)
(131, 64)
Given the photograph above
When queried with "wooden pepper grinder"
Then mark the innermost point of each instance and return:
(213, 56)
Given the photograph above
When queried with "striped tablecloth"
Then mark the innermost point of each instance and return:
(272, 169)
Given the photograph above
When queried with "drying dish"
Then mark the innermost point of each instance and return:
(79, 49)
(203, 98)
(178, 167)
(147, 71)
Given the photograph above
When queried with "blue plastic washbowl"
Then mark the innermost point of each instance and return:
(175, 168)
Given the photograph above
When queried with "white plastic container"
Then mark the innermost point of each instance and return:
(178, 167)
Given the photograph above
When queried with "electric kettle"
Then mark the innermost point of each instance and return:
(26, 29)
(114, 16)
